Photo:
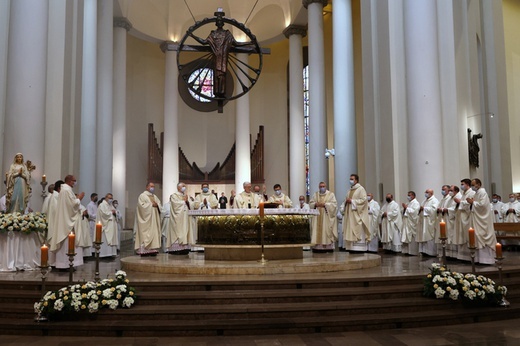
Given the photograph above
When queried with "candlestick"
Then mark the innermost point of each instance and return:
(97, 246)
(262, 210)
(99, 228)
(503, 302)
(72, 241)
(443, 229)
(498, 249)
(44, 269)
(471, 233)
(44, 255)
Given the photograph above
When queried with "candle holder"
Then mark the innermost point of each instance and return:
(443, 256)
(97, 246)
(71, 267)
(262, 260)
(472, 250)
(44, 270)
(44, 191)
(504, 302)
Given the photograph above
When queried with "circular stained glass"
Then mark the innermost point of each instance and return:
(202, 80)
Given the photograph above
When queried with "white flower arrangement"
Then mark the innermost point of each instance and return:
(470, 288)
(90, 296)
(23, 223)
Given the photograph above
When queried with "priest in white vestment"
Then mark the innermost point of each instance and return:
(301, 203)
(280, 198)
(497, 205)
(411, 224)
(373, 218)
(356, 227)
(179, 235)
(83, 238)
(246, 199)
(428, 216)
(391, 225)
(46, 201)
(106, 215)
(481, 220)
(510, 213)
(147, 224)
(441, 216)
(324, 226)
(205, 199)
(67, 213)
(51, 216)
(451, 208)
(462, 222)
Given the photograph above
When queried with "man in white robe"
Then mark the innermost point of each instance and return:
(246, 199)
(262, 196)
(301, 203)
(356, 227)
(450, 211)
(441, 216)
(179, 235)
(205, 199)
(373, 218)
(462, 222)
(428, 217)
(67, 213)
(83, 238)
(481, 220)
(106, 215)
(411, 224)
(391, 225)
(92, 213)
(510, 213)
(147, 225)
(280, 198)
(323, 226)
(46, 201)
(497, 205)
(51, 216)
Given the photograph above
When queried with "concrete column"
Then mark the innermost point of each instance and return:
(296, 131)
(24, 129)
(86, 176)
(55, 87)
(345, 141)
(318, 115)
(121, 27)
(105, 61)
(243, 145)
(5, 9)
(423, 96)
(171, 125)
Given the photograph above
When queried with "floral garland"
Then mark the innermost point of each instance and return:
(23, 223)
(470, 288)
(90, 296)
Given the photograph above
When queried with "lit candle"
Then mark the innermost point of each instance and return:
(44, 178)
(471, 233)
(44, 255)
(72, 241)
(99, 228)
(262, 210)
(443, 229)
(499, 250)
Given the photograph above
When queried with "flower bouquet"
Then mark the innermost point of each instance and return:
(472, 290)
(23, 223)
(88, 297)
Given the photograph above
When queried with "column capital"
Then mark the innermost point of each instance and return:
(122, 22)
(306, 3)
(295, 30)
(169, 46)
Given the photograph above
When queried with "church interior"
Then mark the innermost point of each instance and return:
(408, 94)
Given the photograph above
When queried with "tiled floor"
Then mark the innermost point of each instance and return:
(490, 333)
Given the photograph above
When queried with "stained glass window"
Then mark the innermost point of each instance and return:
(306, 126)
(202, 79)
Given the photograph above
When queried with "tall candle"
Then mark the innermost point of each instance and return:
(498, 248)
(443, 229)
(72, 241)
(99, 228)
(44, 255)
(471, 233)
(44, 178)
(262, 210)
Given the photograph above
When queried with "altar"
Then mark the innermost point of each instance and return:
(235, 234)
